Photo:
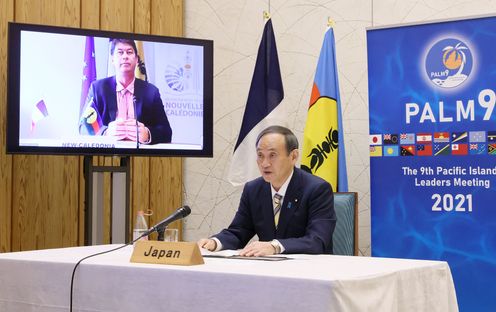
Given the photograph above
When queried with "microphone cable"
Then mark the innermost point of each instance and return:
(93, 255)
(180, 213)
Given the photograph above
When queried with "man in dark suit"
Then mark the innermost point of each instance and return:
(111, 102)
(305, 220)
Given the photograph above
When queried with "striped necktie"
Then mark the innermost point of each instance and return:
(277, 208)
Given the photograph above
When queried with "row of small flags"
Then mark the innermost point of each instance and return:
(433, 144)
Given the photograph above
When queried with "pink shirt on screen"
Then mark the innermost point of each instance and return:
(125, 107)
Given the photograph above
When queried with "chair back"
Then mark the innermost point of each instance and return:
(345, 237)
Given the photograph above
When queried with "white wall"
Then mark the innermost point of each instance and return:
(236, 27)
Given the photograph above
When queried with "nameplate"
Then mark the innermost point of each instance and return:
(176, 253)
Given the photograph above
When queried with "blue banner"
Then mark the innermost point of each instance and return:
(432, 94)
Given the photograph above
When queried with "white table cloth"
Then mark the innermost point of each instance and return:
(40, 281)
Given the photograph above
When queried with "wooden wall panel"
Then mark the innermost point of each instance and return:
(166, 182)
(140, 166)
(164, 186)
(81, 204)
(45, 195)
(90, 19)
(90, 14)
(147, 190)
(45, 201)
(6, 14)
(116, 15)
(48, 12)
(162, 23)
(142, 13)
(42, 197)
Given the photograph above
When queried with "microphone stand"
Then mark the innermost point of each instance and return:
(160, 232)
(142, 69)
(136, 119)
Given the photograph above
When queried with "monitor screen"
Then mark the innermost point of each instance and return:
(91, 92)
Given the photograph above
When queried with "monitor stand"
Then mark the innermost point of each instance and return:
(98, 229)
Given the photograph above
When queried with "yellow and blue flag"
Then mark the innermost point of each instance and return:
(140, 70)
(323, 143)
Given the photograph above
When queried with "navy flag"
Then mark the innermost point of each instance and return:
(266, 92)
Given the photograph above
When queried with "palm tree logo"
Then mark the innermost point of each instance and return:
(454, 63)
(454, 57)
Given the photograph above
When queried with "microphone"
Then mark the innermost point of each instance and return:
(136, 119)
(180, 213)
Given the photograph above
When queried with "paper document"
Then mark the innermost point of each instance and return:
(234, 254)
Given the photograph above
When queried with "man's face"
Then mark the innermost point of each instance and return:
(273, 161)
(124, 58)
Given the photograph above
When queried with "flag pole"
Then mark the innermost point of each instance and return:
(266, 15)
(330, 22)
(323, 150)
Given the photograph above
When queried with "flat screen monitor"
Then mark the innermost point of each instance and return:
(91, 92)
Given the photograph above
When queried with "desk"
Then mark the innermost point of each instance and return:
(40, 280)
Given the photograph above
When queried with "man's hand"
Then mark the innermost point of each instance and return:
(207, 243)
(126, 129)
(117, 129)
(144, 133)
(258, 249)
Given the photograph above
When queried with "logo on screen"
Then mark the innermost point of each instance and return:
(448, 63)
(178, 76)
(174, 77)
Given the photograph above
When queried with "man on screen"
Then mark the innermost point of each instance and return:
(290, 210)
(111, 103)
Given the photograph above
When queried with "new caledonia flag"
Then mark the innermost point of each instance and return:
(323, 149)
(266, 92)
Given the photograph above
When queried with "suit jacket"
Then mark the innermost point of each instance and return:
(306, 221)
(149, 108)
